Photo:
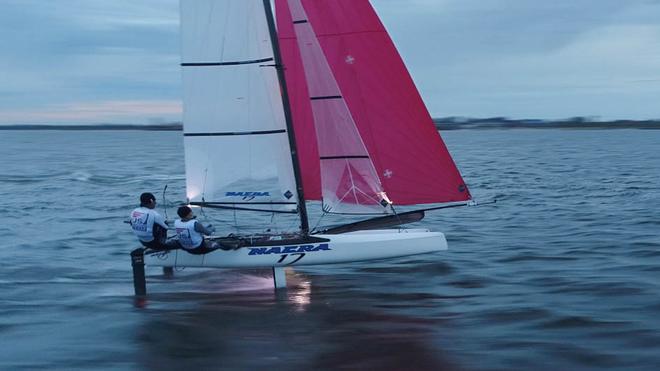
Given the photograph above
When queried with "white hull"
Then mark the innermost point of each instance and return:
(339, 248)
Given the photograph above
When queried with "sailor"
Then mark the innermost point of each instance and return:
(191, 233)
(149, 226)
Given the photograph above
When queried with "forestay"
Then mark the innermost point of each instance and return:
(237, 152)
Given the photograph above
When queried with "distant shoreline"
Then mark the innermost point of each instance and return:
(575, 123)
(446, 123)
(159, 127)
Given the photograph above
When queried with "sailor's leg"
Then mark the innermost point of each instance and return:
(160, 233)
(172, 244)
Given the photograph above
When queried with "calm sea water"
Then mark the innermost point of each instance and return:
(563, 273)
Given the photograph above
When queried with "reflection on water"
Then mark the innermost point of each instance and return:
(298, 328)
(300, 297)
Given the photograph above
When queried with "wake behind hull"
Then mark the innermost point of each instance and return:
(341, 248)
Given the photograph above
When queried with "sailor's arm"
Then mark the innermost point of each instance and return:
(158, 219)
(204, 230)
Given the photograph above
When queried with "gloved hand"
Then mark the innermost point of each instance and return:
(210, 228)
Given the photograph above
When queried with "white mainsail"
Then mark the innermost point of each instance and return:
(237, 151)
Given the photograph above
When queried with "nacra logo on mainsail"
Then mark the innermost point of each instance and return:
(289, 249)
(247, 195)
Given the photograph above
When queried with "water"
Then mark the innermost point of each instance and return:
(563, 273)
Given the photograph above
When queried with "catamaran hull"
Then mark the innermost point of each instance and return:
(327, 249)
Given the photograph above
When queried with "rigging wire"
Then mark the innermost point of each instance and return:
(236, 223)
(319, 221)
(218, 220)
(165, 202)
(396, 214)
(272, 218)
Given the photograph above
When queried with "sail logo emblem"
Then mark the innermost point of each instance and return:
(349, 59)
(247, 196)
(289, 249)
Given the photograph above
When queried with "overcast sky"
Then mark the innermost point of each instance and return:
(91, 61)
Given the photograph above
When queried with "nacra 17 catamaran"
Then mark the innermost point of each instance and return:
(319, 107)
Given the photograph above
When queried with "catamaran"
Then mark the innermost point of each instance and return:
(315, 107)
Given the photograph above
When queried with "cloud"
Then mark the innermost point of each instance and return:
(64, 51)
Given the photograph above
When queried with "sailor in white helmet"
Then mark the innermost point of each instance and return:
(149, 226)
(191, 233)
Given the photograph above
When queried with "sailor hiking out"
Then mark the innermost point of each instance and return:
(191, 233)
(149, 226)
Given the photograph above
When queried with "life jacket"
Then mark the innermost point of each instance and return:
(189, 238)
(142, 222)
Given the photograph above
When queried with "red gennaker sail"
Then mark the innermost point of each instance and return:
(412, 161)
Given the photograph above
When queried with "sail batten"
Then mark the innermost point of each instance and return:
(252, 208)
(344, 157)
(327, 97)
(263, 132)
(210, 203)
(232, 63)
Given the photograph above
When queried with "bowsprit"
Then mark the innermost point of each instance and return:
(289, 249)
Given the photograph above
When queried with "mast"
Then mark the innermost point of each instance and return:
(304, 221)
